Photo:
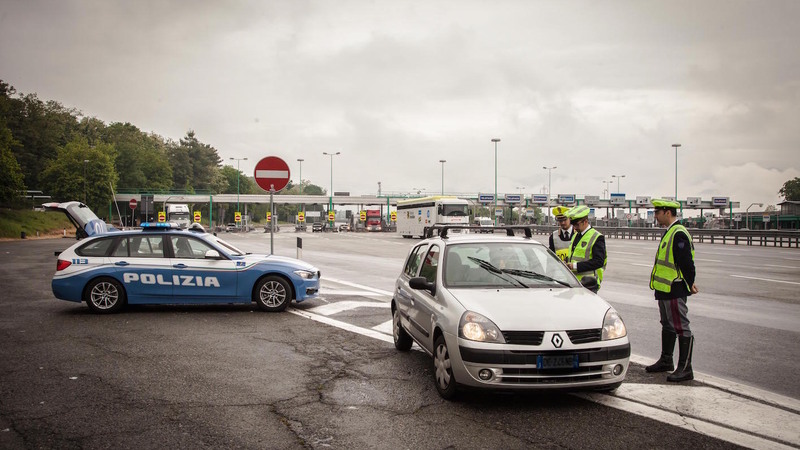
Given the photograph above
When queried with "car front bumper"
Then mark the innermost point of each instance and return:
(599, 364)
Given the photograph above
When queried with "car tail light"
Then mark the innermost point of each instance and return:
(62, 264)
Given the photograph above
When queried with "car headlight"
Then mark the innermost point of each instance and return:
(476, 327)
(305, 274)
(613, 327)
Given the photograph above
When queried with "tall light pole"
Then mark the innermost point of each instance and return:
(330, 201)
(85, 161)
(618, 177)
(676, 170)
(747, 214)
(607, 186)
(237, 180)
(519, 208)
(442, 161)
(300, 160)
(494, 212)
(549, 186)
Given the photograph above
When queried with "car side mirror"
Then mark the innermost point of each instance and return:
(420, 283)
(212, 254)
(590, 283)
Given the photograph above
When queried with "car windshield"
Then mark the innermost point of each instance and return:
(455, 210)
(504, 265)
(227, 246)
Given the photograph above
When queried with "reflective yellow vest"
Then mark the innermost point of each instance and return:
(580, 253)
(562, 247)
(664, 270)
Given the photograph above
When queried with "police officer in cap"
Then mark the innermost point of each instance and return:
(561, 239)
(588, 250)
(672, 280)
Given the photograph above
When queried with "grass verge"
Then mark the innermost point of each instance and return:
(14, 221)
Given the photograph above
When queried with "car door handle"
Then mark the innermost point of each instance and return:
(179, 266)
(121, 263)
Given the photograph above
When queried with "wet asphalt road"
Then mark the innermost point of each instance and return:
(231, 376)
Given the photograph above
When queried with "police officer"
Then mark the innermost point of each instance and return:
(588, 250)
(561, 239)
(672, 280)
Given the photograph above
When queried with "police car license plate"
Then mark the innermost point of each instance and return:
(557, 362)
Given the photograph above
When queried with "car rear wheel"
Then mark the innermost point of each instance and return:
(443, 372)
(104, 295)
(402, 341)
(273, 294)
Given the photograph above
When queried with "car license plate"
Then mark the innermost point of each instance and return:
(557, 362)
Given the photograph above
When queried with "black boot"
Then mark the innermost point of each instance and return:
(664, 364)
(684, 370)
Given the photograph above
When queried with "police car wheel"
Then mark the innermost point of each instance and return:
(402, 341)
(273, 294)
(104, 295)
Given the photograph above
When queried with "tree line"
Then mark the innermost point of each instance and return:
(45, 146)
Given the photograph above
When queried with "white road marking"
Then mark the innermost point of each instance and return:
(790, 259)
(359, 286)
(641, 265)
(385, 327)
(346, 305)
(782, 267)
(351, 292)
(625, 253)
(707, 260)
(766, 279)
(343, 325)
(722, 254)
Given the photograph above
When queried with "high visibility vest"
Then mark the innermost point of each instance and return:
(562, 247)
(664, 270)
(583, 252)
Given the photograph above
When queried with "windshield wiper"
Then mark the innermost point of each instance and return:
(534, 275)
(486, 265)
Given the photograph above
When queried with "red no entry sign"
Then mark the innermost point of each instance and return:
(272, 173)
(132, 203)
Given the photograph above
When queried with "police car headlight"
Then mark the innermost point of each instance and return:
(305, 274)
(613, 327)
(476, 327)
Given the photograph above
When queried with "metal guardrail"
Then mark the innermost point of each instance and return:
(764, 238)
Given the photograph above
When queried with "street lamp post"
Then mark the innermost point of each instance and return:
(519, 208)
(618, 177)
(85, 161)
(494, 212)
(238, 160)
(747, 214)
(607, 183)
(549, 187)
(442, 161)
(676, 170)
(300, 160)
(330, 201)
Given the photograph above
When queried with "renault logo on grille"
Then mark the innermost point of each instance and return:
(557, 340)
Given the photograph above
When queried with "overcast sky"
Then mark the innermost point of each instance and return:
(594, 88)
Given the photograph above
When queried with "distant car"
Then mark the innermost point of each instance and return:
(162, 264)
(503, 312)
(344, 227)
(317, 226)
(231, 228)
(300, 227)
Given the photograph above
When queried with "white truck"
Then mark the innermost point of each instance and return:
(179, 213)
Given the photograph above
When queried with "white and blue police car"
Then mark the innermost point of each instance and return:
(162, 264)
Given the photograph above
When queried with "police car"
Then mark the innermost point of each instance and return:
(162, 264)
(503, 312)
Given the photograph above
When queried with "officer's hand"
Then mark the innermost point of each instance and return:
(694, 289)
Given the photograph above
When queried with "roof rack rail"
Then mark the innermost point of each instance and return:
(441, 230)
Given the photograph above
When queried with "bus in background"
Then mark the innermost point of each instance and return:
(414, 216)
(179, 213)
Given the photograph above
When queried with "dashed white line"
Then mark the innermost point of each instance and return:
(707, 260)
(766, 279)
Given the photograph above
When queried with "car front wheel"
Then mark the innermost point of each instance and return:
(402, 341)
(104, 296)
(273, 294)
(443, 372)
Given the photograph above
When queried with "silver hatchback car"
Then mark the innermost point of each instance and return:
(502, 311)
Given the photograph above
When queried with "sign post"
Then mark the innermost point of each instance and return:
(272, 174)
